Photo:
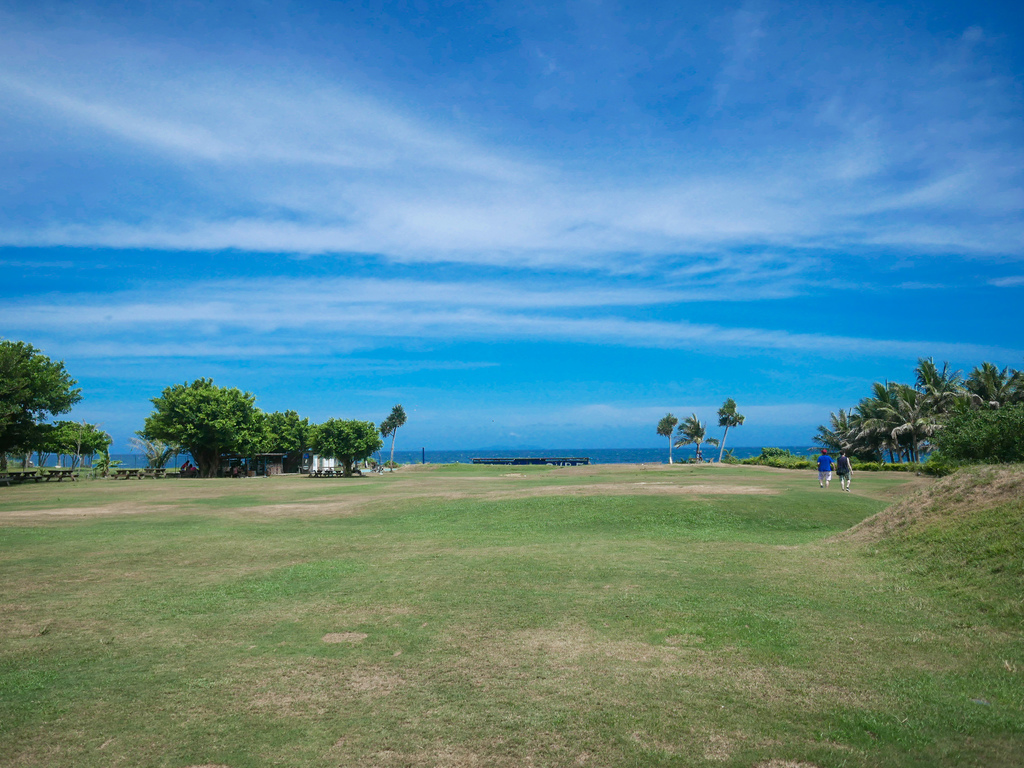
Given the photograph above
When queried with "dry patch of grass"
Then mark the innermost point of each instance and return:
(959, 495)
(344, 637)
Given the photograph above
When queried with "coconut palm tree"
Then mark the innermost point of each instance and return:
(898, 419)
(693, 432)
(389, 427)
(665, 428)
(839, 434)
(996, 388)
(942, 388)
(728, 417)
(157, 452)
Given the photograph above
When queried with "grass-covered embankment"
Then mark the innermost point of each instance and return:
(476, 616)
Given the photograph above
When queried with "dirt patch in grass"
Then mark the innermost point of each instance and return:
(344, 637)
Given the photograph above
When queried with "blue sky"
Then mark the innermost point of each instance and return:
(532, 224)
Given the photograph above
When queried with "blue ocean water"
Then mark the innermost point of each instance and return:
(596, 455)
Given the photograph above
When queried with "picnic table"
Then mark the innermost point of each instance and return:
(25, 475)
(5, 478)
(126, 473)
(154, 472)
(59, 473)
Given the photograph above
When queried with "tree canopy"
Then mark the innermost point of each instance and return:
(32, 387)
(206, 420)
(347, 441)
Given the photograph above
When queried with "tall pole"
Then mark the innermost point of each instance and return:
(423, 456)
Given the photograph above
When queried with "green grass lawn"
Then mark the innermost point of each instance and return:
(479, 616)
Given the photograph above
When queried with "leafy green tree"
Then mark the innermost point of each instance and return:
(390, 426)
(32, 387)
(205, 420)
(347, 441)
(728, 417)
(73, 439)
(988, 435)
(693, 432)
(287, 434)
(665, 428)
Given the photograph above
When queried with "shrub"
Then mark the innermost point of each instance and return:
(987, 436)
(940, 466)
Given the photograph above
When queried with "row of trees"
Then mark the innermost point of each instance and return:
(209, 421)
(902, 422)
(694, 432)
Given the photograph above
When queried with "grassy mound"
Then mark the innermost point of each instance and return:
(965, 533)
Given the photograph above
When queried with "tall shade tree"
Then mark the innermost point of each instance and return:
(32, 387)
(728, 417)
(693, 432)
(389, 427)
(665, 428)
(288, 434)
(346, 441)
(206, 420)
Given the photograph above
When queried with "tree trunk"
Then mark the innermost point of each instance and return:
(391, 463)
(670, 449)
(208, 462)
(721, 450)
(346, 466)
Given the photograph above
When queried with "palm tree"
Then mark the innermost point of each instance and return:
(839, 434)
(728, 417)
(390, 426)
(996, 388)
(941, 388)
(665, 427)
(692, 432)
(897, 419)
(157, 452)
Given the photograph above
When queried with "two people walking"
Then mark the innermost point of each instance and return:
(842, 467)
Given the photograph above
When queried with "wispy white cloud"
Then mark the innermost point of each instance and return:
(293, 162)
(1008, 282)
(375, 312)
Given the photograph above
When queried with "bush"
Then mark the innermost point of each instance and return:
(780, 458)
(940, 466)
(988, 436)
(881, 466)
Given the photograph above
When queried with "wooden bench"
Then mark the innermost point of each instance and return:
(5, 479)
(125, 473)
(154, 473)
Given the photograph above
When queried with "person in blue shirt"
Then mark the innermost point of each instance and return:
(824, 469)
